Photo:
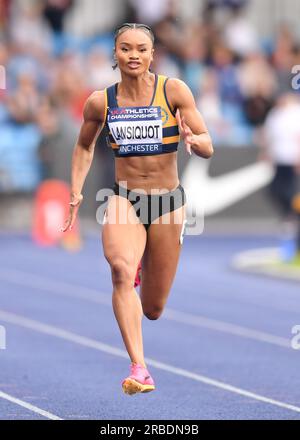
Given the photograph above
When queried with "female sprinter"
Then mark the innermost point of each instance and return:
(144, 114)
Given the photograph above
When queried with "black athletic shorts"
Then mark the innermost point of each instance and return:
(149, 207)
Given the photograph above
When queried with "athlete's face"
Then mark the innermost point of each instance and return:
(134, 52)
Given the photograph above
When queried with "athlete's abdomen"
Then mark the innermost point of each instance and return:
(148, 171)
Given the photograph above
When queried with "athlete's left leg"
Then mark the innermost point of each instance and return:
(159, 262)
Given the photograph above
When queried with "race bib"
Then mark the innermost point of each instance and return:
(136, 129)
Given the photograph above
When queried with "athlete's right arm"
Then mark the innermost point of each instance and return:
(83, 153)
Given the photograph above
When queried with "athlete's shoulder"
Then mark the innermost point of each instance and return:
(178, 91)
(177, 85)
(94, 107)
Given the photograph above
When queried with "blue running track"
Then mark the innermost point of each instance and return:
(221, 350)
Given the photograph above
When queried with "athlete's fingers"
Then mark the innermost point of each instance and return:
(75, 203)
(185, 131)
(186, 128)
(188, 132)
(66, 225)
(178, 118)
(179, 121)
(74, 206)
(74, 215)
(188, 144)
(69, 222)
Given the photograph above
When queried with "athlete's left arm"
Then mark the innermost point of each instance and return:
(191, 124)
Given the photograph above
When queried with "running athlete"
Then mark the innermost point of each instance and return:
(144, 114)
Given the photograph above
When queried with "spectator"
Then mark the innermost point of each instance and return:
(210, 106)
(169, 31)
(282, 148)
(70, 89)
(240, 36)
(150, 12)
(29, 32)
(4, 16)
(258, 84)
(58, 135)
(212, 6)
(227, 73)
(55, 11)
(99, 73)
(283, 58)
(194, 56)
(165, 63)
(22, 103)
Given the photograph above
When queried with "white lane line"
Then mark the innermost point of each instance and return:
(265, 261)
(28, 406)
(225, 327)
(92, 295)
(46, 284)
(91, 343)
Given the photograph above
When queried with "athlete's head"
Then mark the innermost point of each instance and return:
(134, 47)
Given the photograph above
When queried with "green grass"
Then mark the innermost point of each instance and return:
(296, 261)
(293, 265)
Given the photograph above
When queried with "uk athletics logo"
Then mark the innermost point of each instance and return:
(164, 116)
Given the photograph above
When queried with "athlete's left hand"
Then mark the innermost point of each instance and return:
(185, 132)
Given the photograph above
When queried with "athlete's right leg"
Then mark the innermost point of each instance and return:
(123, 246)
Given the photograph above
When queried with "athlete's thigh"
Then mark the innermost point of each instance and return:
(123, 237)
(160, 260)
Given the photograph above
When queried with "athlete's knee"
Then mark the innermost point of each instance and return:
(153, 312)
(121, 271)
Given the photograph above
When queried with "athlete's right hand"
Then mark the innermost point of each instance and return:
(185, 132)
(74, 206)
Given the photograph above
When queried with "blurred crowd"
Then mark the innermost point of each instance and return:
(235, 75)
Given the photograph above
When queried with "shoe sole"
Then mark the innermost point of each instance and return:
(131, 386)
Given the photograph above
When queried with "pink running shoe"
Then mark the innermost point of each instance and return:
(137, 280)
(139, 380)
